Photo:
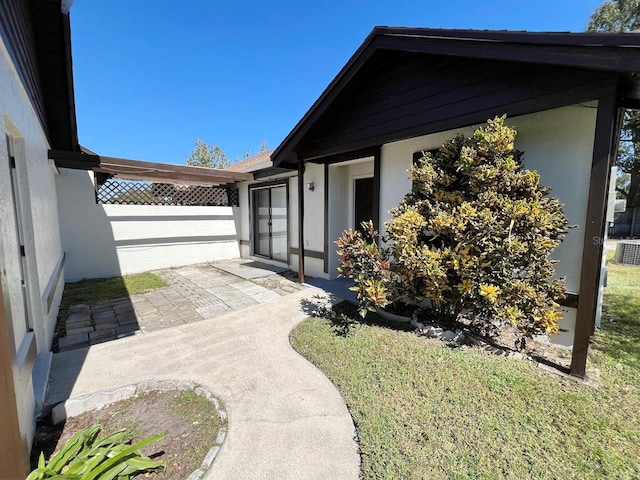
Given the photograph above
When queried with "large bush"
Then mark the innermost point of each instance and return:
(474, 235)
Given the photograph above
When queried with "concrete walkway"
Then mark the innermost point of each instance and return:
(193, 293)
(286, 419)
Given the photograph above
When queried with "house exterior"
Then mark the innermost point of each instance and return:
(36, 113)
(408, 90)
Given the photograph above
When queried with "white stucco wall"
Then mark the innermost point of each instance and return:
(314, 212)
(342, 177)
(37, 209)
(111, 240)
(557, 143)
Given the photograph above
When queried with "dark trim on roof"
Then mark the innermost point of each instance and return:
(17, 35)
(51, 35)
(616, 53)
(350, 155)
(147, 171)
(271, 171)
(597, 57)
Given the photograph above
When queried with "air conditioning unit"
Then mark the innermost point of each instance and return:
(628, 252)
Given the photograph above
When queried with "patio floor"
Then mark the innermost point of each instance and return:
(194, 293)
(230, 335)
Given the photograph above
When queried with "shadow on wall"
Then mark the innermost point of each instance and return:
(103, 241)
(110, 240)
(85, 230)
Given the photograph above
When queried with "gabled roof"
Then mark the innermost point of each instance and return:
(251, 164)
(260, 166)
(618, 54)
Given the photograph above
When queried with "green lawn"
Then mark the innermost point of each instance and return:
(423, 409)
(99, 289)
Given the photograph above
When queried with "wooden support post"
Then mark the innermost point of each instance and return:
(377, 159)
(14, 460)
(301, 221)
(326, 218)
(607, 122)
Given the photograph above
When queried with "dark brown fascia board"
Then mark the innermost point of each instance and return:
(271, 171)
(283, 153)
(594, 57)
(71, 98)
(369, 151)
(74, 160)
(521, 36)
(390, 38)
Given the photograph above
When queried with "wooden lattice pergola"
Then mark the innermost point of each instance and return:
(125, 169)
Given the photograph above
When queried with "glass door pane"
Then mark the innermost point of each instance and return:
(261, 221)
(279, 223)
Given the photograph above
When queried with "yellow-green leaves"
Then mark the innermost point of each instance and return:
(474, 235)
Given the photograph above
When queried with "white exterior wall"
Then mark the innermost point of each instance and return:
(38, 211)
(557, 143)
(112, 240)
(313, 212)
(342, 177)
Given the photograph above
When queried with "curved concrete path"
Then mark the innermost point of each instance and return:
(286, 419)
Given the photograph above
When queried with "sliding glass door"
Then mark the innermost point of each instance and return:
(270, 222)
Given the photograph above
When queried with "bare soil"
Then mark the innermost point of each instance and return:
(189, 421)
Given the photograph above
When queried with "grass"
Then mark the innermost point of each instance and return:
(423, 409)
(101, 289)
(197, 410)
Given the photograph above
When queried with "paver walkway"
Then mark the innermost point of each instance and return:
(194, 293)
(286, 419)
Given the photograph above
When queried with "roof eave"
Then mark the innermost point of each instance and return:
(615, 52)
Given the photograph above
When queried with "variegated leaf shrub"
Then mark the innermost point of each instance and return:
(474, 235)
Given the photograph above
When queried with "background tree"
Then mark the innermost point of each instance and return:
(617, 16)
(205, 155)
(623, 16)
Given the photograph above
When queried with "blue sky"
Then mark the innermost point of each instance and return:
(152, 75)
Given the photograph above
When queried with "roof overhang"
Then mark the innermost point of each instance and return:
(617, 53)
(126, 169)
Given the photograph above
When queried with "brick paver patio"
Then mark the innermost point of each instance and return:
(194, 293)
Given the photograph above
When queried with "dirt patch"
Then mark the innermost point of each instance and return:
(282, 283)
(189, 421)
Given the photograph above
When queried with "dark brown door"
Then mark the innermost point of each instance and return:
(363, 201)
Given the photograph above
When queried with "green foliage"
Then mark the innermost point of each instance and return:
(616, 16)
(87, 457)
(628, 159)
(423, 410)
(474, 235)
(205, 155)
(143, 195)
(101, 289)
(623, 16)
